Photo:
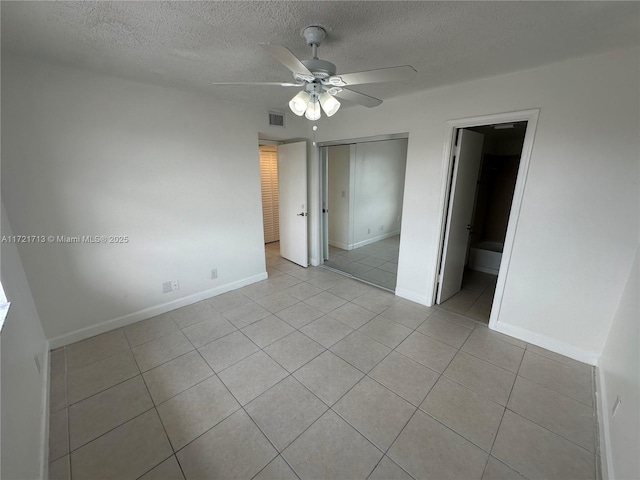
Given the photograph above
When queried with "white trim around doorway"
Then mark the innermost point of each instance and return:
(529, 116)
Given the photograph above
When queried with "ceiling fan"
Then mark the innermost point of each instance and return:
(319, 80)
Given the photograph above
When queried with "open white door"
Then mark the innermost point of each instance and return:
(461, 198)
(292, 193)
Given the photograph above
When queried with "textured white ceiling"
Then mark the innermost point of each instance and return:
(191, 44)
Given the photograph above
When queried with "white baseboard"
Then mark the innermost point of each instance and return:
(368, 241)
(579, 354)
(134, 317)
(375, 239)
(414, 297)
(44, 427)
(340, 245)
(603, 426)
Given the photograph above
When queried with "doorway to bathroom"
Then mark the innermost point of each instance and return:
(484, 186)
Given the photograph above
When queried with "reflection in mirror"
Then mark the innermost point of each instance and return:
(364, 186)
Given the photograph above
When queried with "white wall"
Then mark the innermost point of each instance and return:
(619, 373)
(176, 172)
(88, 154)
(379, 185)
(339, 191)
(579, 221)
(23, 388)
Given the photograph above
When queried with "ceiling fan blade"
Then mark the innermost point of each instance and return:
(378, 76)
(285, 57)
(359, 98)
(275, 84)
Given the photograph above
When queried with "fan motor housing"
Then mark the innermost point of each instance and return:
(320, 68)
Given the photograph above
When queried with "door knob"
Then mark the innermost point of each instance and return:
(469, 227)
(301, 214)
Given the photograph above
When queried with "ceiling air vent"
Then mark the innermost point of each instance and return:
(276, 119)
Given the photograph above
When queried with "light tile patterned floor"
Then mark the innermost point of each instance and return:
(311, 375)
(376, 263)
(475, 298)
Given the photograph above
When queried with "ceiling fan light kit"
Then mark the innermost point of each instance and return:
(329, 103)
(320, 82)
(313, 110)
(298, 104)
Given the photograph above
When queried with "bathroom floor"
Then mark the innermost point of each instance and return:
(475, 298)
(313, 375)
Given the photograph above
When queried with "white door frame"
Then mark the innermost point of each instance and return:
(529, 116)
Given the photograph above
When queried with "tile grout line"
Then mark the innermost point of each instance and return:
(392, 461)
(69, 404)
(532, 421)
(447, 426)
(503, 414)
(290, 374)
(487, 361)
(505, 407)
(114, 428)
(440, 375)
(277, 383)
(120, 424)
(549, 388)
(329, 407)
(273, 460)
(146, 386)
(241, 407)
(155, 407)
(484, 396)
(384, 386)
(421, 365)
(551, 431)
(400, 433)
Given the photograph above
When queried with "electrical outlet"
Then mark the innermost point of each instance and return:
(214, 274)
(37, 360)
(170, 286)
(382, 228)
(368, 230)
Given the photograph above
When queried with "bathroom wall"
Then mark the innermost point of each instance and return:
(496, 183)
(495, 194)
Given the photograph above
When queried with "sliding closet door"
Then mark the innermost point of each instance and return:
(269, 181)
